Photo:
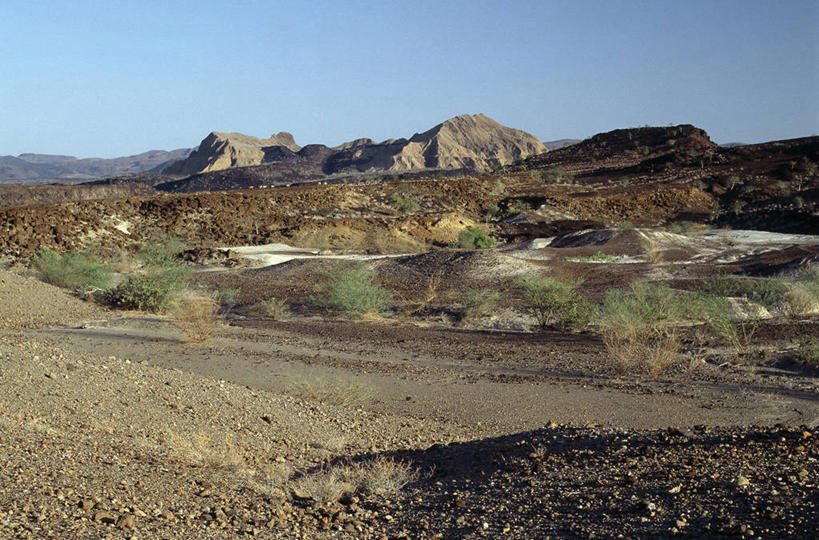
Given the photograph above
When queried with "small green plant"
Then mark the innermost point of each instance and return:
(276, 309)
(72, 269)
(498, 189)
(802, 294)
(163, 252)
(555, 303)
(226, 298)
(492, 211)
(404, 201)
(598, 257)
(737, 206)
(5, 263)
(624, 224)
(556, 175)
(807, 350)
(350, 290)
(479, 303)
(475, 238)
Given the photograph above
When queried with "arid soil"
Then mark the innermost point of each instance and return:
(420, 422)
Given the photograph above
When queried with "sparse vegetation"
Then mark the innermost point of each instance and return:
(598, 257)
(475, 238)
(276, 309)
(349, 289)
(479, 303)
(724, 323)
(196, 315)
(72, 269)
(685, 228)
(556, 175)
(404, 201)
(769, 292)
(161, 281)
(807, 350)
(555, 303)
(342, 393)
(638, 327)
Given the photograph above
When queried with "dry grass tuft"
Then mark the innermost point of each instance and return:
(197, 316)
(335, 392)
(200, 449)
(654, 254)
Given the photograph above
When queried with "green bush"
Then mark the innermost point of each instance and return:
(403, 201)
(685, 228)
(638, 327)
(555, 303)
(807, 350)
(475, 238)
(72, 269)
(161, 282)
(350, 290)
(276, 309)
(479, 303)
(770, 292)
(723, 323)
(153, 290)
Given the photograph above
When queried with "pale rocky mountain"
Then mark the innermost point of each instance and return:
(220, 151)
(464, 142)
(354, 144)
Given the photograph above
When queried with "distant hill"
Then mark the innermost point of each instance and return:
(560, 143)
(464, 142)
(733, 144)
(29, 168)
(220, 151)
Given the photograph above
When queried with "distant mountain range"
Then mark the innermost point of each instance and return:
(473, 142)
(69, 169)
(560, 143)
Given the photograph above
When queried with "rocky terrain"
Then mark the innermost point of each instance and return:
(225, 150)
(425, 420)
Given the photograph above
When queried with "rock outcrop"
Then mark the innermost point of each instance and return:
(220, 151)
(464, 142)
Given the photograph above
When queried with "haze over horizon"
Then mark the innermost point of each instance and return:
(97, 79)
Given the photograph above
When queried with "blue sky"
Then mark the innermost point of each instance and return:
(114, 78)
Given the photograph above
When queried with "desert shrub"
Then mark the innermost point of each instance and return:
(555, 175)
(638, 327)
(686, 228)
(403, 201)
(196, 315)
(5, 263)
(625, 224)
(72, 269)
(654, 255)
(350, 290)
(479, 303)
(153, 290)
(807, 350)
(498, 189)
(491, 211)
(161, 281)
(555, 303)
(378, 477)
(769, 292)
(276, 309)
(475, 238)
(723, 322)
(802, 294)
(163, 252)
(226, 298)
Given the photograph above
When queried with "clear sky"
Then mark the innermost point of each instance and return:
(115, 77)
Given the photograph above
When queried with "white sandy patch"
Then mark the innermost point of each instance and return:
(272, 254)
